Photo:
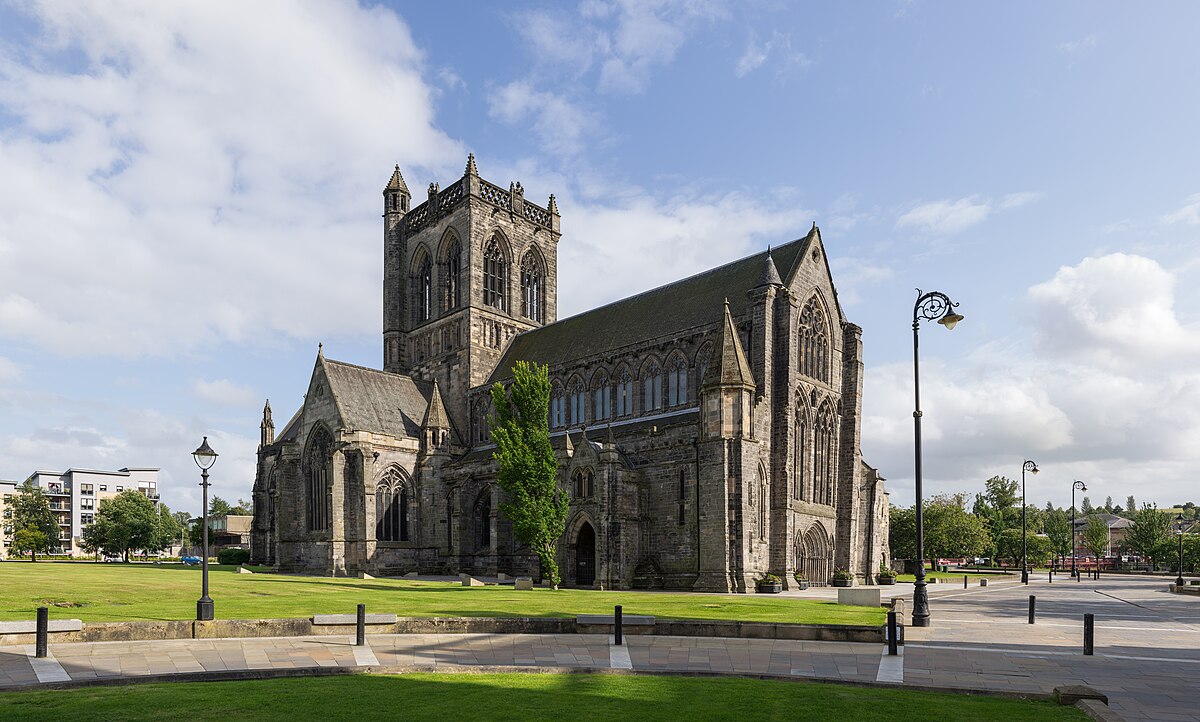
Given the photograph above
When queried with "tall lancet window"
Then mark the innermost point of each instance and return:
(495, 275)
(532, 287)
(453, 280)
(316, 472)
(424, 303)
(394, 507)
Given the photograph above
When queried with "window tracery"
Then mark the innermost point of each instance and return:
(495, 276)
(814, 342)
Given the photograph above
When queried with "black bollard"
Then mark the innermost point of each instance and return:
(43, 629)
(1050, 574)
(964, 581)
(617, 625)
(893, 637)
(1089, 633)
(1032, 603)
(360, 637)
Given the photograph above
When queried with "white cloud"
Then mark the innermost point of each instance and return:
(193, 161)
(642, 242)
(560, 124)
(1116, 311)
(947, 217)
(779, 47)
(1076, 47)
(225, 393)
(1188, 213)
(9, 370)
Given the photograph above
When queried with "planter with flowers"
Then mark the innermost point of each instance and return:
(843, 578)
(769, 584)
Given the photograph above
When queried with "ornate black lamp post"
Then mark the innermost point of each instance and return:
(205, 457)
(1031, 467)
(931, 306)
(1179, 579)
(1081, 487)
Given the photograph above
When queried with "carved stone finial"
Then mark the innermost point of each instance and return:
(320, 349)
(552, 206)
(471, 169)
(433, 189)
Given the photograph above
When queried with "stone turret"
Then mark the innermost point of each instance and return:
(435, 429)
(727, 386)
(267, 428)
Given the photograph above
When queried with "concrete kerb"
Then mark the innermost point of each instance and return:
(304, 627)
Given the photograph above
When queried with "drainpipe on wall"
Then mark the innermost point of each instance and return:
(696, 501)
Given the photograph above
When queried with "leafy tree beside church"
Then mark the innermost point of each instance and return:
(527, 465)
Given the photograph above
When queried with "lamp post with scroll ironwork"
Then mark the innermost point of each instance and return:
(932, 306)
(1081, 487)
(1032, 468)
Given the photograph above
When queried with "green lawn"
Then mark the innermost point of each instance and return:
(514, 696)
(137, 592)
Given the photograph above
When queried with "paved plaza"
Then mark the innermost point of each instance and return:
(1146, 649)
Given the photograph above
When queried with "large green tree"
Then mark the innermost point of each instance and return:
(123, 523)
(950, 530)
(219, 507)
(528, 469)
(31, 511)
(1057, 524)
(1150, 535)
(1095, 536)
(1009, 547)
(167, 529)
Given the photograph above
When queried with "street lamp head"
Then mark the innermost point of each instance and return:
(1031, 467)
(1080, 485)
(950, 320)
(205, 457)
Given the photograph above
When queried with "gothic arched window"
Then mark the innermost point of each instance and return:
(495, 276)
(603, 397)
(482, 515)
(814, 342)
(423, 285)
(316, 475)
(532, 287)
(652, 388)
(558, 416)
(394, 507)
(578, 399)
(452, 283)
(801, 449)
(624, 388)
(677, 380)
(824, 455)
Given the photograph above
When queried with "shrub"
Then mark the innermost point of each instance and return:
(842, 574)
(770, 578)
(233, 555)
(800, 577)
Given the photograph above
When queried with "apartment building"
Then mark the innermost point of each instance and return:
(8, 490)
(75, 494)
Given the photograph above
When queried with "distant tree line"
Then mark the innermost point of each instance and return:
(992, 528)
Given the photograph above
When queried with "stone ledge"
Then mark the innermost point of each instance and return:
(30, 626)
(1072, 693)
(630, 620)
(321, 620)
(1097, 711)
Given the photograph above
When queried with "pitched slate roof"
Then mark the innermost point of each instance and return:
(690, 303)
(372, 400)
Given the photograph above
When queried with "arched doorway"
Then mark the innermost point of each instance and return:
(814, 556)
(585, 556)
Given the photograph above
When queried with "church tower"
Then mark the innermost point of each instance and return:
(464, 272)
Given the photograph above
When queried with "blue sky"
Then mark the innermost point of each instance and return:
(190, 199)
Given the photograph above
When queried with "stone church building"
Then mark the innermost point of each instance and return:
(707, 431)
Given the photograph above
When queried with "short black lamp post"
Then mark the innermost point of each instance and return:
(205, 457)
(1081, 487)
(931, 306)
(1031, 467)
(1179, 579)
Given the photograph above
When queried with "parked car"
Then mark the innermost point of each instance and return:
(190, 561)
(116, 558)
